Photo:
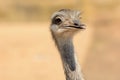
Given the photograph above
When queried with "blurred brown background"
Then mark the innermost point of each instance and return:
(27, 51)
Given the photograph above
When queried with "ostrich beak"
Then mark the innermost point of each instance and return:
(81, 26)
(77, 24)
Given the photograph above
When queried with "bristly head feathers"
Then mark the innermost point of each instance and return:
(67, 12)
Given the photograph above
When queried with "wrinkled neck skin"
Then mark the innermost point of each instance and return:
(70, 64)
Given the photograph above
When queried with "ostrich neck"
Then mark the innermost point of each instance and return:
(66, 49)
(70, 64)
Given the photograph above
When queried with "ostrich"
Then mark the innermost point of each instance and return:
(64, 24)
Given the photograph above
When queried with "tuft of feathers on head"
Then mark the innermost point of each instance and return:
(65, 11)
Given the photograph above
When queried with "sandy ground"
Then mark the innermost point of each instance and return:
(27, 52)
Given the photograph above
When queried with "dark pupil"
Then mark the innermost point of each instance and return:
(57, 21)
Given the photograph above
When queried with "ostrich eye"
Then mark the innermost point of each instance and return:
(57, 21)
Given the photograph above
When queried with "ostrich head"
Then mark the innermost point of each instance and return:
(66, 22)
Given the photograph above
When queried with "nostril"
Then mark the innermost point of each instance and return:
(76, 24)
